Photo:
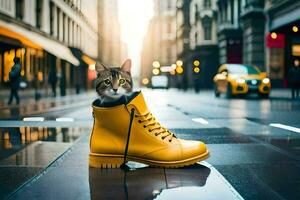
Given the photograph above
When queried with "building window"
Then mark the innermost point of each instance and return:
(38, 9)
(58, 25)
(64, 27)
(207, 26)
(51, 18)
(207, 4)
(19, 9)
(169, 5)
(196, 13)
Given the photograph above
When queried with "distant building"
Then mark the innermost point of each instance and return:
(282, 38)
(183, 28)
(160, 40)
(111, 49)
(150, 50)
(203, 43)
(40, 32)
(263, 33)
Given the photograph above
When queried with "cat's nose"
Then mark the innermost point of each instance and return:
(115, 90)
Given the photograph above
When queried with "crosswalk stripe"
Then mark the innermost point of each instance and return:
(286, 127)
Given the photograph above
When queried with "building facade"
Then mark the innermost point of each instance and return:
(51, 37)
(112, 51)
(160, 40)
(197, 41)
(263, 33)
(282, 35)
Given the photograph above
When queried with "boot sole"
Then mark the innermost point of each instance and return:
(115, 161)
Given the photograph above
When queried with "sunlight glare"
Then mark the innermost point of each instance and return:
(134, 16)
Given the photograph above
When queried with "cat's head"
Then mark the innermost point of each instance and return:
(113, 82)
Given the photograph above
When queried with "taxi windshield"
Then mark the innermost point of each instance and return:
(238, 69)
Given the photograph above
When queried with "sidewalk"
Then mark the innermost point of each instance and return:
(29, 106)
(71, 178)
(28, 95)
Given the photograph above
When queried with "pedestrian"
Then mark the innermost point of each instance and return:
(52, 80)
(14, 80)
(293, 77)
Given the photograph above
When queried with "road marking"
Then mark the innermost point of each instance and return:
(201, 121)
(286, 127)
(64, 119)
(33, 119)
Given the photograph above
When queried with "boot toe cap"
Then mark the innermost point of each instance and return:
(191, 149)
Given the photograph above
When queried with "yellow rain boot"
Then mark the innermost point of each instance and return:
(131, 133)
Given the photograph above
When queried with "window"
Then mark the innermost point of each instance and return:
(57, 22)
(169, 4)
(196, 13)
(51, 18)
(207, 25)
(64, 28)
(19, 9)
(38, 9)
(207, 4)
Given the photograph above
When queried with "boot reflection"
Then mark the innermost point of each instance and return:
(144, 182)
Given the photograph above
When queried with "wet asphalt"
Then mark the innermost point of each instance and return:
(254, 145)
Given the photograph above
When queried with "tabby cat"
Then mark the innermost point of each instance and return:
(112, 83)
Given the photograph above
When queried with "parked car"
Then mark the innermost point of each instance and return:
(234, 79)
(160, 81)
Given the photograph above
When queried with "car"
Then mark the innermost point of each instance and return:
(160, 81)
(238, 79)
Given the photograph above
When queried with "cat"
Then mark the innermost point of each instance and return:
(113, 83)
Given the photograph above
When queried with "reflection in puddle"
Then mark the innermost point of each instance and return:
(199, 181)
(15, 138)
(145, 182)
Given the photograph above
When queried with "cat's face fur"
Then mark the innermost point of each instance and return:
(113, 82)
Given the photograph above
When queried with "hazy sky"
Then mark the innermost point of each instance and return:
(134, 17)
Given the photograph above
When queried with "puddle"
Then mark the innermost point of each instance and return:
(194, 182)
(13, 139)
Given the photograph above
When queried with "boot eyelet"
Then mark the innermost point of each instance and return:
(144, 126)
(170, 140)
(149, 131)
(140, 121)
(162, 138)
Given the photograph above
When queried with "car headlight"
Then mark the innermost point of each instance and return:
(266, 80)
(240, 81)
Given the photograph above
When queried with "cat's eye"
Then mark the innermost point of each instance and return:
(122, 81)
(107, 82)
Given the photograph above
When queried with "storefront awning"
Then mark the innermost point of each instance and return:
(88, 60)
(284, 19)
(35, 40)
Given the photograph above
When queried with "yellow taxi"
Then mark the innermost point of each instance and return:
(235, 79)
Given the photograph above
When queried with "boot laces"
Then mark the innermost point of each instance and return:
(149, 121)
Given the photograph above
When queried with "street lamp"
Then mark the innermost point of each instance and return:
(156, 64)
(155, 71)
(196, 63)
(274, 36)
(179, 70)
(145, 81)
(295, 29)
(196, 70)
(179, 63)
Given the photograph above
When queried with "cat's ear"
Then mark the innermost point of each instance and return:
(100, 67)
(126, 67)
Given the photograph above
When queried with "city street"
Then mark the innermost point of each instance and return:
(254, 146)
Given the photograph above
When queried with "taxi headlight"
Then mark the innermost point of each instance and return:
(240, 81)
(266, 80)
